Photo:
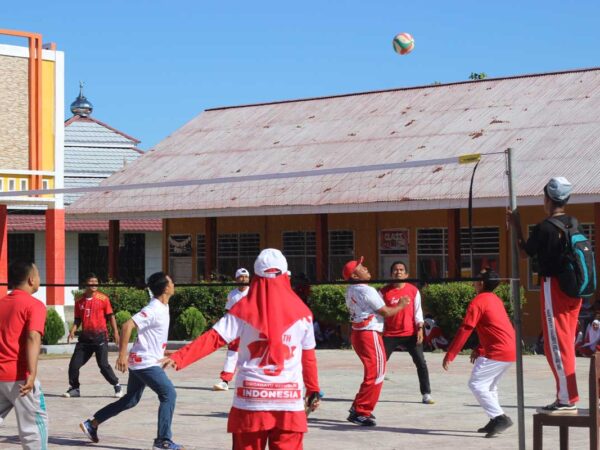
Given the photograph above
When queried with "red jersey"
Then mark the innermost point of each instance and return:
(487, 315)
(92, 312)
(405, 322)
(20, 313)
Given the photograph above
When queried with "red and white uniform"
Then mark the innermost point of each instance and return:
(276, 363)
(93, 312)
(363, 302)
(404, 323)
(153, 333)
(232, 349)
(497, 349)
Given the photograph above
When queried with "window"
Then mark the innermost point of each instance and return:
(132, 258)
(235, 251)
(12, 184)
(24, 184)
(45, 184)
(341, 250)
(300, 250)
(93, 255)
(486, 249)
(432, 252)
(393, 246)
(200, 256)
(589, 231)
(21, 247)
(180, 257)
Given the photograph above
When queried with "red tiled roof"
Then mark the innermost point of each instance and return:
(23, 222)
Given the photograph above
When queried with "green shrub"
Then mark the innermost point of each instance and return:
(121, 317)
(190, 324)
(448, 303)
(328, 303)
(54, 328)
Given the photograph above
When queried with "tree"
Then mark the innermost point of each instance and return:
(477, 76)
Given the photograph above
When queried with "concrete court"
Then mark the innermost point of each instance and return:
(403, 422)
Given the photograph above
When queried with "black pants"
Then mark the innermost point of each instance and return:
(83, 352)
(416, 351)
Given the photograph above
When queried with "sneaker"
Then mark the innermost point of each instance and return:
(353, 411)
(166, 444)
(500, 423)
(558, 408)
(221, 386)
(72, 393)
(89, 430)
(361, 420)
(487, 427)
(427, 399)
(118, 391)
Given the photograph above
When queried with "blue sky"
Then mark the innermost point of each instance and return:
(151, 66)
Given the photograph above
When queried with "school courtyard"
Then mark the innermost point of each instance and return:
(403, 422)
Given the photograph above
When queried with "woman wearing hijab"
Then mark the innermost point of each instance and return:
(591, 339)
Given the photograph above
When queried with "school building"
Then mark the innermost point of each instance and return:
(373, 174)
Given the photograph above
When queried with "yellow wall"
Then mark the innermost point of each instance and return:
(48, 113)
(366, 229)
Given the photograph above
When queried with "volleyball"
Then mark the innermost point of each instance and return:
(403, 43)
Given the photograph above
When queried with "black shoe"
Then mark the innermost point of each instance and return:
(71, 393)
(487, 427)
(352, 411)
(501, 423)
(558, 408)
(361, 420)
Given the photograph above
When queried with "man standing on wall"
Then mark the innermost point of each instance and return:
(560, 312)
(23, 318)
(92, 311)
(241, 276)
(367, 310)
(406, 327)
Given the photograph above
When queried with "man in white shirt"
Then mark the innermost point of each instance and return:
(367, 310)
(241, 276)
(143, 361)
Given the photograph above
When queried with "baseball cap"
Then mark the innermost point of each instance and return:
(241, 272)
(350, 266)
(558, 189)
(270, 263)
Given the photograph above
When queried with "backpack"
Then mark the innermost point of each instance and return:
(577, 277)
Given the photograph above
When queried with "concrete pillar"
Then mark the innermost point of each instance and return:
(55, 258)
(454, 243)
(322, 241)
(210, 258)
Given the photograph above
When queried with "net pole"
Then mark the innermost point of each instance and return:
(516, 301)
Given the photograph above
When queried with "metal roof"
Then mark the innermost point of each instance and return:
(549, 120)
(29, 222)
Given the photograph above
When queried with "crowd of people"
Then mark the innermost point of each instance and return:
(271, 338)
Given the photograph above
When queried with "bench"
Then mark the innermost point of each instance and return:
(585, 418)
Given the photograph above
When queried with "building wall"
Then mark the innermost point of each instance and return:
(366, 229)
(14, 113)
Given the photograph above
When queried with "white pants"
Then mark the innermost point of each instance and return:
(484, 384)
(32, 419)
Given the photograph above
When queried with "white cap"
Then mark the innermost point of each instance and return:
(242, 272)
(270, 258)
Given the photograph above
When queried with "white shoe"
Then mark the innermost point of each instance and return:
(118, 391)
(427, 399)
(221, 386)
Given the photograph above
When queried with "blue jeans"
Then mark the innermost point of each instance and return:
(156, 379)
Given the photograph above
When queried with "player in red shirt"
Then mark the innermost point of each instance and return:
(495, 354)
(92, 311)
(23, 318)
(406, 327)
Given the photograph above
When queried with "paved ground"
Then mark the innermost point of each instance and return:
(403, 422)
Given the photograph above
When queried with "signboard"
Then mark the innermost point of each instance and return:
(393, 242)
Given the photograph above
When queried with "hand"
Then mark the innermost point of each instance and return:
(169, 352)
(404, 301)
(474, 355)
(70, 337)
(420, 336)
(446, 363)
(122, 363)
(167, 362)
(315, 403)
(513, 218)
(26, 388)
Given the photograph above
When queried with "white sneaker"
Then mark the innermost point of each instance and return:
(428, 400)
(118, 391)
(221, 386)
